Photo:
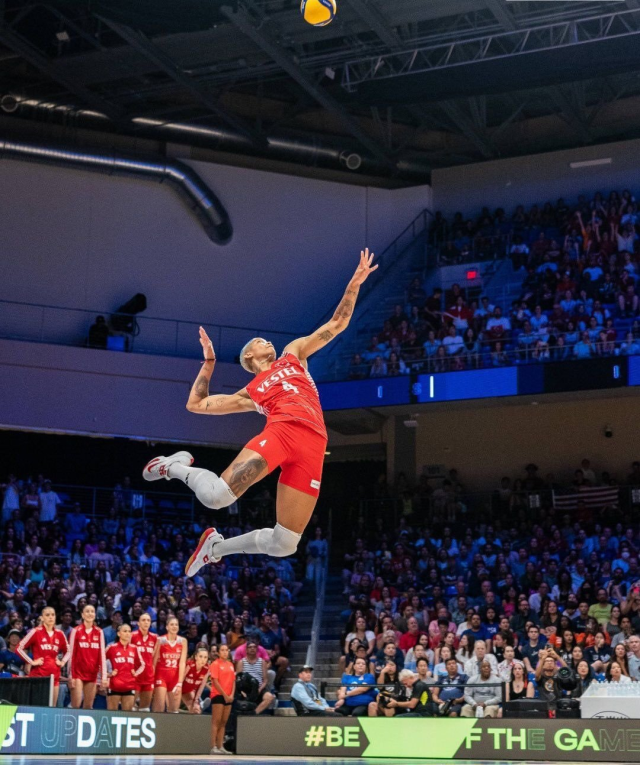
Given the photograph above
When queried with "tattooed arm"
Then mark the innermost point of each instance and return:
(305, 346)
(201, 402)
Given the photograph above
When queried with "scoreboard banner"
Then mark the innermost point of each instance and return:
(48, 730)
(441, 738)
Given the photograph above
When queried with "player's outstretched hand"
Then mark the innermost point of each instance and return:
(207, 346)
(365, 268)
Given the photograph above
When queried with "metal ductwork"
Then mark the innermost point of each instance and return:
(184, 180)
(304, 149)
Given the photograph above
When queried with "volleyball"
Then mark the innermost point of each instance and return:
(319, 13)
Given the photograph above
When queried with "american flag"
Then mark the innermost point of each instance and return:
(593, 497)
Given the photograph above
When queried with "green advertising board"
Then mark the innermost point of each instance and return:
(436, 738)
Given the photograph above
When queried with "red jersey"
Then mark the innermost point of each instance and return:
(127, 663)
(169, 659)
(87, 649)
(147, 646)
(193, 677)
(287, 392)
(44, 645)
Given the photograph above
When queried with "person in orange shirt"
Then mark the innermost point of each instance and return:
(223, 684)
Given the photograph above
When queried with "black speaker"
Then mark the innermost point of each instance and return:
(123, 319)
(535, 708)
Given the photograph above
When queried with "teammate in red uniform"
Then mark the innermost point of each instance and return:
(146, 642)
(87, 660)
(294, 438)
(127, 665)
(170, 663)
(49, 650)
(197, 669)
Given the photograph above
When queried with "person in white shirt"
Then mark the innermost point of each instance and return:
(614, 674)
(587, 472)
(506, 665)
(452, 342)
(49, 502)
(11, 500)
(472, 666)
(498, 324)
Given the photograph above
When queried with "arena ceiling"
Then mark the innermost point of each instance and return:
(392, 88)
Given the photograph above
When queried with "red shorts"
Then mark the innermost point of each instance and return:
(44, 671)
(297, 449)
(84, 678)
(144, 687)
(167, 680)
(188, 688)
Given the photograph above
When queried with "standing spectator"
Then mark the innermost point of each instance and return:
(49, 502)
(76, 524)
(11, 499)
(98, 333)
(316, 556)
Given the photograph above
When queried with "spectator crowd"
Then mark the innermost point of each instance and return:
(450, 605)
(52, 553)
(579, 297)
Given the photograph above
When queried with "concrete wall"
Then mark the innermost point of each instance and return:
(535, 179)
(78, 390)
(81, 240)
(487, 442)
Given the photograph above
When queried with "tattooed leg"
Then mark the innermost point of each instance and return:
(248, 468)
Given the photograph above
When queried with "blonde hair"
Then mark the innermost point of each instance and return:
(243, 361)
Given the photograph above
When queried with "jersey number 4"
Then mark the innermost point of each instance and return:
(287, 386)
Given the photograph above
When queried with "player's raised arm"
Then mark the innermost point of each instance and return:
(305, 346)
(201, 402)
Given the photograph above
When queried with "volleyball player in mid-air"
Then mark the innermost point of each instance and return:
(294, 438)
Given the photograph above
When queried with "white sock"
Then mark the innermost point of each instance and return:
(184, 472)
(209, 488)
(277, 542)
(244, 543)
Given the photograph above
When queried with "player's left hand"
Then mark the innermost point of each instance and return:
(365, 268)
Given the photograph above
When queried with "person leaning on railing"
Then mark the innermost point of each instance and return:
(419, 702)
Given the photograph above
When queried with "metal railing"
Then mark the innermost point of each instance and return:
(481, 248)
(431, 682)
(159, 506)
(58, 325)
(471, 360)
(490, 503)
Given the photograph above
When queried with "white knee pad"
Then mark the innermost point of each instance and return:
(278, 542)
(212, 491)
